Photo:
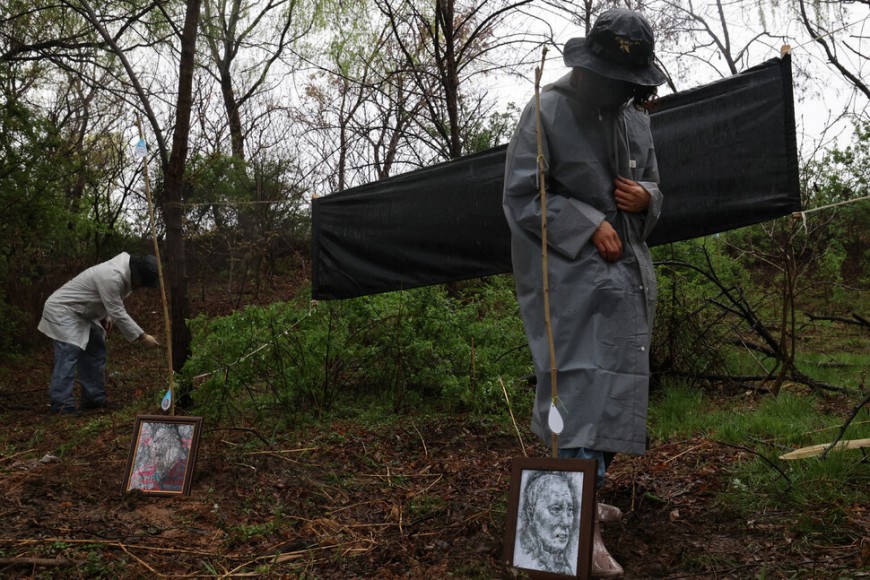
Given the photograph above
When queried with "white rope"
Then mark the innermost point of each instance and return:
(829, 206)
(802, 215)
(236, 203)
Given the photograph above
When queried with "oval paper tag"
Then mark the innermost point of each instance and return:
(167, 400)
(556, 423)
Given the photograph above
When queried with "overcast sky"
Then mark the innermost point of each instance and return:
(821, 94)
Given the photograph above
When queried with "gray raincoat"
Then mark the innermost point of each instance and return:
(601, 312)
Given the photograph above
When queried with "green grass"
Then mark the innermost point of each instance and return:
(842, 368)
(818, 492)
(679, 411)
(778, 423)
(85, 432)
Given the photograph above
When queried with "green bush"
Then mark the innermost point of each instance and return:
(424, 349)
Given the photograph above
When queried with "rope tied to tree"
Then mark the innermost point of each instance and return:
(802, 215)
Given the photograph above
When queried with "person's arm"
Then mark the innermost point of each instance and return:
(110, 289)
(648, 177)
(571, 223)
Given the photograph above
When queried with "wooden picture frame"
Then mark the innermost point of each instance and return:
(555, 541)
(162, 455)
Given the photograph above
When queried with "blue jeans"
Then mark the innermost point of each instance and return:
(91, 366)
(602, 457)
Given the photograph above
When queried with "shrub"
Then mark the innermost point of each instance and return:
(426, 348)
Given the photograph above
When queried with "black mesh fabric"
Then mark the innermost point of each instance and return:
(727, 156)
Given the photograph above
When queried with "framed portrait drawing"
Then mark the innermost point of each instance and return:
(551, 506)
(162, 455)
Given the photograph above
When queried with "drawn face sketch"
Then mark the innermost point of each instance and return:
(553, 515)
(548, 524)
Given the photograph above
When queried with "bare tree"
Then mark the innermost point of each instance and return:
(172, 160)
(445, 45)
(834, 39)
(362, 104)
(259, 31)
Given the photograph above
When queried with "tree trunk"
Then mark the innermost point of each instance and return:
(174, 188)
(234, 119)
(449, 73)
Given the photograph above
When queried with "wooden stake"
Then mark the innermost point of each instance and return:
(542, 185)
(166, 322)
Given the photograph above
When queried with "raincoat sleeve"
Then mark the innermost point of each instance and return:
(111, 292)
(570, 222)
(649, 180)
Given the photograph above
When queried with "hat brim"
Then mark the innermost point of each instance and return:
(577, 54)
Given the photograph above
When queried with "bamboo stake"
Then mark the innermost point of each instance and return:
(166, 322)
(542, 184)
(514, 421)
(824, 448)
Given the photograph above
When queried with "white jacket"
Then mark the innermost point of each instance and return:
(95, 294)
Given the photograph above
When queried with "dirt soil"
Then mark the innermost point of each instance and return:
(423, 497)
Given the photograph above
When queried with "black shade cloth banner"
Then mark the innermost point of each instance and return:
(727, 157)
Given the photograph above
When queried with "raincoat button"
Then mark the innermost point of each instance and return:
(643, 348)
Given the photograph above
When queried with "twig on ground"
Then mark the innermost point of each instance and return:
(259, 435)
(26, 561)
(854, 414)
(8, 457)
(513, 420)
(425, 450)
(754, 452)
(141, 561)
(856, 319)
(26, 541)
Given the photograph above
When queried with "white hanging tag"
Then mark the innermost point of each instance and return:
(141, 150)
(555, 421)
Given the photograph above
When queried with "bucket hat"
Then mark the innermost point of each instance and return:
(620, 46)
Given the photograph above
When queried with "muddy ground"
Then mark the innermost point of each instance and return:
(423, 497)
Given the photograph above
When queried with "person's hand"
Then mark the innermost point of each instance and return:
(607, 242)
(148, 340)
(630, 195)
(107, 325)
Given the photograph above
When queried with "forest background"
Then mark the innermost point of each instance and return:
(250, 109)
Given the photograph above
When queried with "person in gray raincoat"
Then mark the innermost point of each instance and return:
(79, 314)
(602, 202)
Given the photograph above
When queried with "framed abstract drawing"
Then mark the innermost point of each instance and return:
(162, 455)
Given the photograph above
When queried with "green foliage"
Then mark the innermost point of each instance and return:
(760, 481)
(678, 411)
(485, 132)
(782, 422)
(401, 351)
(216, 184)
(842, 176)
(688, 333)
(32, 175)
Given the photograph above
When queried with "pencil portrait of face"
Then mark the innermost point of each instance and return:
(548, 521)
